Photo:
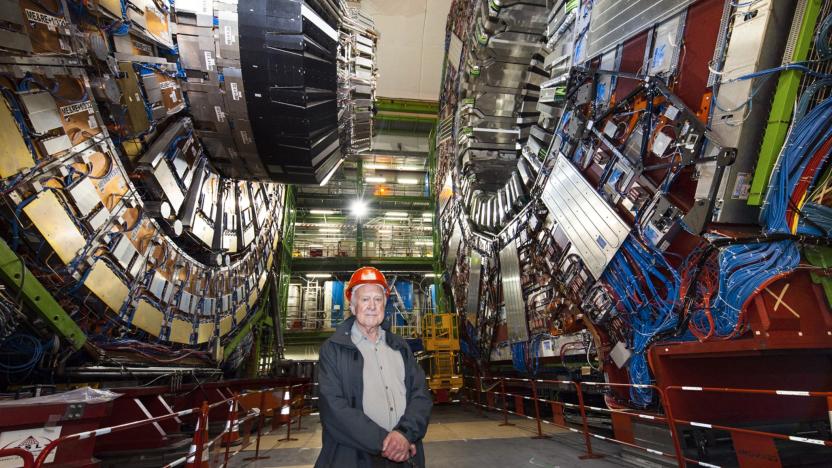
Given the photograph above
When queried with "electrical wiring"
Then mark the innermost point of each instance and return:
(28, 347)
(823, 38)
(646, 288)
(744, 269)
(808, 137)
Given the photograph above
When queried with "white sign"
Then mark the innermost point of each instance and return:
(33, 440)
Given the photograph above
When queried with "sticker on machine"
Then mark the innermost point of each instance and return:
(32, 440)
(742, 186)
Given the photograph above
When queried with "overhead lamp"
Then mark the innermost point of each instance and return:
(423, 243)
(358, 208)
(396, 214)
(408, 181)
(430, 275)
(375, 180)
(427, 214)
(319, 275)
(321, 212)
(332, 230)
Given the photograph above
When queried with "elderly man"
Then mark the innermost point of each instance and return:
(374, 401)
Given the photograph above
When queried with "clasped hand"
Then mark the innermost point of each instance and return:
(397, 448)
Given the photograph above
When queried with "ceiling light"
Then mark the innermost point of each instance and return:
(430, 275)
(358, 208)
(396, 214)
(375, 180)
(423, 243)
(408, 181)
(427, 215)
(319, 275)
(329, 230)
(321, 212)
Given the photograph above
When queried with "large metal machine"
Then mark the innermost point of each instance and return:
(634, 193)
(145, 147)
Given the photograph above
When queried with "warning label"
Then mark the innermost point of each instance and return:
(66, 111)
(32, 440)
(51, 21)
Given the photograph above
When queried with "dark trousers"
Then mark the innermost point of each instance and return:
(381, 462)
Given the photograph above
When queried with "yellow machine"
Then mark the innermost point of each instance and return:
(440, 335)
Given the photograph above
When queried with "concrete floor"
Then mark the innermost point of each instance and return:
(457, 437)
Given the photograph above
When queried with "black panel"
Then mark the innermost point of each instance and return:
(290, 75)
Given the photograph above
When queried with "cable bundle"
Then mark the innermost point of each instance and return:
(744, 271)
(797, 168)
(646, 288)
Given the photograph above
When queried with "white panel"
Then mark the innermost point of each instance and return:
(592, 226)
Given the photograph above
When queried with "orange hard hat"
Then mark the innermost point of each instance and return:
(366, 275)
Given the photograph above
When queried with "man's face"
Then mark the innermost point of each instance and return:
(368, 303)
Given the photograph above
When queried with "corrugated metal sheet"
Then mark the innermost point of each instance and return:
(592, 226)
(614, 21)
(518, 325)
(453, 246)
(474, 283)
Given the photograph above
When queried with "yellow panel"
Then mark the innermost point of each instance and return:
(148, 318)
(55, 225)
(240, 314)
(15, 155)
(252, 298)
(225, 325)
(262, 281)
(107, 286)
(205, 332)
(270, 260)
(113, 6)
(180, 331)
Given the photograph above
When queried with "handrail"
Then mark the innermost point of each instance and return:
(25, 455)
(199, 446)
(666, 417)
(774, 435)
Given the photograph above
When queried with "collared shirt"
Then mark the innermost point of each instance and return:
(385, 396)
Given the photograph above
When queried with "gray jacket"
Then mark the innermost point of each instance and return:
(349, 436)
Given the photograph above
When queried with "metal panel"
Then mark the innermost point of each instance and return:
(614, 21)
(518, 326)
(592, 226)
(106, 286)
(148, 318)
(55, 225)
(474, 285)
(180, 331)
(16, 155)
(453, 246)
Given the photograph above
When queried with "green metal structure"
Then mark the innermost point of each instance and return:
(14, 273)
(780, 116)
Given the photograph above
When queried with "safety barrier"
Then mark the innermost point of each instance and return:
(748, 444)
(205, 451)
(26, 456)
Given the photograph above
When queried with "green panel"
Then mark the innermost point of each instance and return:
(404, 118)
(37, 297)
(781, 109)
(821, 257)
(254, 320)
(334, 264)
(407, 106)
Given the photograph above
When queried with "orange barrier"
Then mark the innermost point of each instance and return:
(749, 445)
(25, 455)
(203, 452)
